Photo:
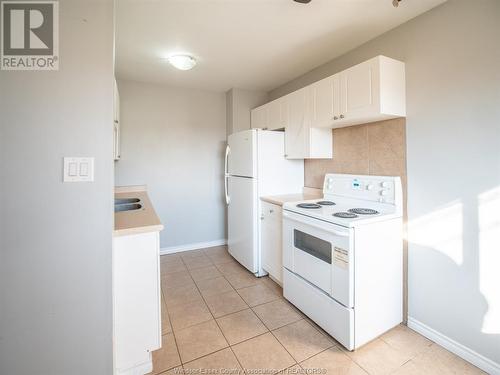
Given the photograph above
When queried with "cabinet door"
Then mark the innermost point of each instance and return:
(136, 299)
(259, 117)
(325, 101)
(271, 242)
(359, 91)
(277, 113)
(297, 129)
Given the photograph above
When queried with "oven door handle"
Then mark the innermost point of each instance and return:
(326, 227)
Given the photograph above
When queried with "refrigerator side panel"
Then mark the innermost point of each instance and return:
(242, 221)
(242, 151)
(276, 174)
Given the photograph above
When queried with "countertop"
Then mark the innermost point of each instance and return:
(280, 199)
(143, 220)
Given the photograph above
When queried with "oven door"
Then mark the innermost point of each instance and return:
(320, 253)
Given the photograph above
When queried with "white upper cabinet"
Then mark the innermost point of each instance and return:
(359, 87)
(301, 140)
(374, 90)
(277, 113)
(297, 128)
(371, 91)
(258, 117)
(270, 116)
(325, 101)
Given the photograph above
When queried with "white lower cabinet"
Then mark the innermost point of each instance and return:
(136, 302)
(271, 240)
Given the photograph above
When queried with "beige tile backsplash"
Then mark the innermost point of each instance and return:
(377, 148)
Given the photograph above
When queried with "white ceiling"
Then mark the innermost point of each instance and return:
(250, 44)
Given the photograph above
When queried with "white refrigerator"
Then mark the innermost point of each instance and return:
(255, 166)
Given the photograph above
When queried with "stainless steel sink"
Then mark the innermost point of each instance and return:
(127, 207)
(126, 200)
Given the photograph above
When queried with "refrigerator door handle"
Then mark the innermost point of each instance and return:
(228, 199)
(226, 174)
(226, 159)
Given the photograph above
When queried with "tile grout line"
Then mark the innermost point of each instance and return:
(171, 327)
(215, 319)
(279, 342)
(288, 324)
(216, 322)
(303, 317)
(168, 315)
(210, 311)
(251, 309)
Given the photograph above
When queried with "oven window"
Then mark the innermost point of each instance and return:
(315, 246)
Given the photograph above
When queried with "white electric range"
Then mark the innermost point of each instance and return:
(343, 257)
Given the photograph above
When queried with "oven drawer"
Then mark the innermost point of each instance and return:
(330, 315)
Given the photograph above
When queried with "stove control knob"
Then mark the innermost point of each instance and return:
(384, 184)
(383, 192)
(369, 187)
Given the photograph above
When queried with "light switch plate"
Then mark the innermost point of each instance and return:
(78, 169)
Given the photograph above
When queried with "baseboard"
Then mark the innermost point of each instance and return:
(143, 368)
(191, 246)
(462, 351)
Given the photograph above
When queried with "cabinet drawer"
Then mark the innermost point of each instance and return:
(271, 210)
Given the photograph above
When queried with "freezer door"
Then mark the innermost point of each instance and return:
(242, 221)
(242, 160)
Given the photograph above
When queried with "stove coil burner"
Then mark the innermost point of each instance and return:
(308, 205)
(363, 211)
(345, 215)
(326, 203)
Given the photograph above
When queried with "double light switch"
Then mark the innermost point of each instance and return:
(78, 169)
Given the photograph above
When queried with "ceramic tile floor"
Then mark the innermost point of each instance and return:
(217, 318)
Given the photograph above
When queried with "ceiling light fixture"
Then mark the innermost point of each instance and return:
(302, 1)
(182, 61)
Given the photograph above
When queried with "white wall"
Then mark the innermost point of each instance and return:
(55, 240)
(452, 56)
(238, 105)
(173, 140)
